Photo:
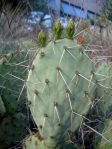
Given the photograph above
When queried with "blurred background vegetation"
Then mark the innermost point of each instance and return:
(21, 20)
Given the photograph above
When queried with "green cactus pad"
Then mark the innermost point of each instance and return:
(106, 129)
(60, 89)
(12, 130)
(13, 72)
(32, 142)
(104, 89)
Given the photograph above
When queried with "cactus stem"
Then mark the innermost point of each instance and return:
(65, 81)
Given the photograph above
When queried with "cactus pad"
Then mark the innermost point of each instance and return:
(104, 89)
(12, 130)
(32, 142)
(106, 130)
(13, 71)
(60, 89)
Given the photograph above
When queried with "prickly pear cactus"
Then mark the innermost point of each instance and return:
(32, 142)
(60, 89)
(12, 129)
(13, 71)
(106, 130)
(103, 106)
(104, 89)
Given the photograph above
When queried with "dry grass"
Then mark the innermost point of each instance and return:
(12, 23)
(99, 45)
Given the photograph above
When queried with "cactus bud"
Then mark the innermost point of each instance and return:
(57, 29)
(41, 38)
(70, 29)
